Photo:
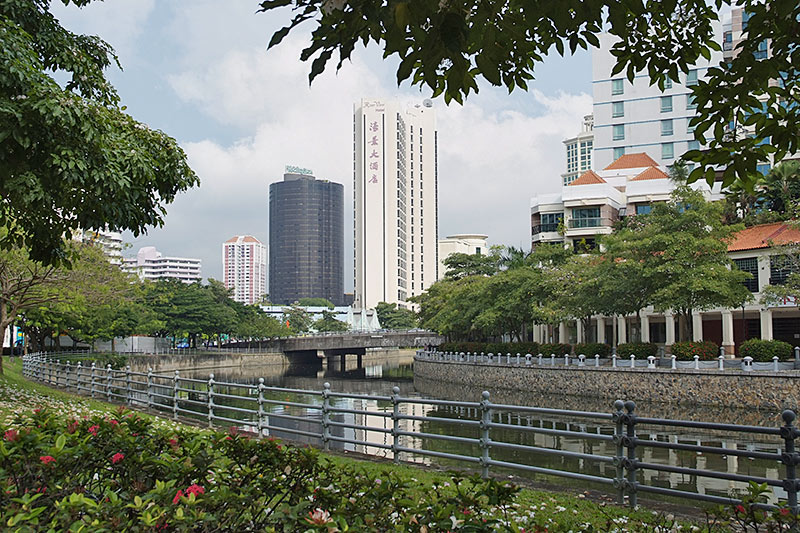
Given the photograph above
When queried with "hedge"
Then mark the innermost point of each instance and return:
(642, 350)
(590, 349)
(491, 347)
(558, 349)
(685, 351)
(761, 350)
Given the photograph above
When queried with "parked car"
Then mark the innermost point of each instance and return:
(183, 344)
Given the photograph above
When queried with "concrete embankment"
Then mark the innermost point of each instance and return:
(209, 361)
(760, 390)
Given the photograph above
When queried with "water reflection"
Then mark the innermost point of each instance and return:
(379, 377)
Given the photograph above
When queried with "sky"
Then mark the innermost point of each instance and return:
(199, 70)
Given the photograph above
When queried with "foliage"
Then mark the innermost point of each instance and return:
(328, 322)
(121, 472)
(555, 348)
(642, 350)
(260, 326)
(450, 47)
(461, 265)
(590, 349)
(297, 319)
(513, 348)
(685, 351)
(68, 148)
(775, 197)
(315, 302)
(392, 317)
(101, 360)
(762, 350)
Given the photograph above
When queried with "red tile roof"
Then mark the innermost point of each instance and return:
(640, 160)
(651, 173)
(764, 236)
(588, 178)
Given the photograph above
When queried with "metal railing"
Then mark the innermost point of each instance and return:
(746, 364)
(406, 427)
(589, 222)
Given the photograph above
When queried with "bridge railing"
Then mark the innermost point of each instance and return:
(619, 450)
(746, 364)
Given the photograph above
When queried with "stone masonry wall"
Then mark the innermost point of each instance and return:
(169, 362)
(762, 390)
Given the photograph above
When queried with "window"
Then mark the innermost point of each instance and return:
(618, 152)
(585, 217)
(689, 126)
(617, 87)
(749, 264)
(583, 246)
(667, 151)
(780, 267)
(666, 104)
(763, 168)
(550, 222)
(691, 78)
(761, 53)
(617, 109)
(690, 103)
(618, 132)
(668, 83)
(694, 145)
(643, 209)
(666, 127)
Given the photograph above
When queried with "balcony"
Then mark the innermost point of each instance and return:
(544, 228)
(591, 222)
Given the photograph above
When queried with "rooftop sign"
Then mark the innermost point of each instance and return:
(291, 169)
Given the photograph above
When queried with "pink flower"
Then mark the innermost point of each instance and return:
(173, 442)
(784, 511)
(117, 457)
(195, 489)
(178, 496)
(11, 435)
(72, 427)
(47, 459)
(93, 429)
(318, 517)
(740, 509)
(114, 423)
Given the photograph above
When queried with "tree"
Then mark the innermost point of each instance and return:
(392, 317)
(260, 326)
(449, 46)
(460, 265)
(69, 156)
(315, 302)
(681, 250)
(329, 322)
(779, 189)
(297, 319)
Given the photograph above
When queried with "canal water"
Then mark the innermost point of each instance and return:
(379, 374)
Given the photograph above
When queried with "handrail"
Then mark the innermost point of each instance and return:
(483, 426)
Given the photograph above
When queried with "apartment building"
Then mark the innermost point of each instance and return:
(462, 243)
(579, 151)
(244, 268)
(150, 264)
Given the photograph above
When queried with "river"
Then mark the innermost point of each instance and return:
(379, 374)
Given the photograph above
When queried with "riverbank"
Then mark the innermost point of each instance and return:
(530, 509)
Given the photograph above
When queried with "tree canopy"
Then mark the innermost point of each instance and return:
(70, 157)
(449, 46)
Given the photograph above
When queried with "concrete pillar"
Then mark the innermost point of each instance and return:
(579, 330)
(601, 329)
(622, 330)
(670, 318)
(727, 333)
(645, 327)
(697, 326)
(766, 324)
(562, 333)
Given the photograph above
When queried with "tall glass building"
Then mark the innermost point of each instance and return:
(306, 238)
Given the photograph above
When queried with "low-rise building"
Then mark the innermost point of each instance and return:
(150, 264)
(462, 243)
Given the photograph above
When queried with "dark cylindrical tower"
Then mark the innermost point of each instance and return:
(306, 239)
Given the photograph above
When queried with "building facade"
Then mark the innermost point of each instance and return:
(579, 151)
(463, 243)
(306, 238)
(150, 264)
(109, 241)
(395, 167)
(244, 268)
(639, 117)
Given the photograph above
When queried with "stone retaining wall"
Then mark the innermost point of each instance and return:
(762, 390)
(171, 362)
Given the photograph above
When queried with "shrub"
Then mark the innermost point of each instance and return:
(558, 349)
(121, 473)
(470, 347)
(589, 349)
(761, 350)
(525, 348)
(642, 350)
(685, 351)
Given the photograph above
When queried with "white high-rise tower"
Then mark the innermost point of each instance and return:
(395, 194)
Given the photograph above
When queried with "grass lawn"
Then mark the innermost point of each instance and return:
(538, 510)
